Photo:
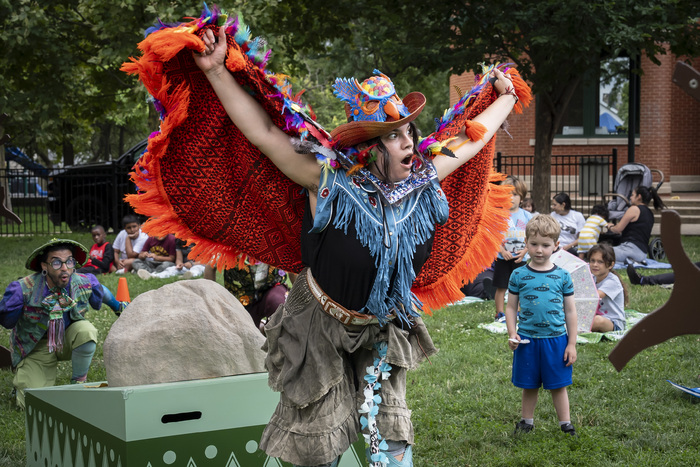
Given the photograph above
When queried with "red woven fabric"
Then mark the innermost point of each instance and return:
(216, 188)
(468, 242)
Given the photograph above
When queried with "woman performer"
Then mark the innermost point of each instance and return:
(353, 301)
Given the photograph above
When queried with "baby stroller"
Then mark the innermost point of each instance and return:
(629, 177)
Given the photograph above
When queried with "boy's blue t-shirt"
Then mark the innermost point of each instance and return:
(541, 295)
(514, 239)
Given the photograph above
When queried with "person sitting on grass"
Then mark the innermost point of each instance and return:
(184, 267)
(590, 233)
(610, 315)
(46, 313)
(548, 321)
(128, 243)
(157, 255)
(101, 253)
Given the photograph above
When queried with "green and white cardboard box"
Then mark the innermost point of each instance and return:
(212, 422)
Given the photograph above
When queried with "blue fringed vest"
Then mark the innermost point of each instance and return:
(390, 233)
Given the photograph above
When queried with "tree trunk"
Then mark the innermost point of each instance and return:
(68, 152)
(542, 170)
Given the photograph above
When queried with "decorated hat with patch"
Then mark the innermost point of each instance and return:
(80, 253)
(373, 109)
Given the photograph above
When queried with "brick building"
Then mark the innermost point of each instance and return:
(668, 135)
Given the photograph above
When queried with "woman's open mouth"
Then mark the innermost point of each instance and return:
(407, 160)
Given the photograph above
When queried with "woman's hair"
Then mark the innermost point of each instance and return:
(608, 254)
(383, 168)
(519, 187)
(600, 210)
(563, 198)
(649, 194)
(529, 202)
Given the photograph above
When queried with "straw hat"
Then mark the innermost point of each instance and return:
(79, 253)
(373, 109)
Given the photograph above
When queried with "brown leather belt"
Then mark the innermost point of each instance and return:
(336, 310)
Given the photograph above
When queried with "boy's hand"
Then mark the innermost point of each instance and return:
(513, 341)
(570, 354)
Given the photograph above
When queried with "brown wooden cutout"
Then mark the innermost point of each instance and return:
(676, 317)
(688, 79)
(4, 211)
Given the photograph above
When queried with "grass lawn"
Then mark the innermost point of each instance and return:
(464, 405)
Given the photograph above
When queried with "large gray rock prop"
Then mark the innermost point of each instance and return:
(186, 330)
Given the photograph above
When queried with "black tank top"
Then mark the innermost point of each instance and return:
(343, 268)
(639, 231)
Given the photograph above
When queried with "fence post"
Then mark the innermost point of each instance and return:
(498, 161)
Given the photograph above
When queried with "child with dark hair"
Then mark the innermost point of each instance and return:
(570, 221)
(613, 295)
(590, 233)
(101, 253)
(128, 243)
(529, 205)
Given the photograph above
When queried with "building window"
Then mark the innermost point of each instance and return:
(599, 106)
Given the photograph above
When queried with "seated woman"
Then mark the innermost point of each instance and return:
(635, 226)
(570, 220)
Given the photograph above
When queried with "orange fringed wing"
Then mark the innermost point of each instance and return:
(479, 210)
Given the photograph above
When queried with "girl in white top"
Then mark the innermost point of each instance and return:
(571, 222)
(613, 296)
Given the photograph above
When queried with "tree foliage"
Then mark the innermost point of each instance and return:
(59, 60)
(552, 42)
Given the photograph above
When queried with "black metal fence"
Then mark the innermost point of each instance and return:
(585, 178)
(26, 196)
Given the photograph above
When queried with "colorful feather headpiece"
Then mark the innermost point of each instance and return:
(373, 109)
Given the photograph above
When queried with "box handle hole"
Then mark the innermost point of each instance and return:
(181, 417)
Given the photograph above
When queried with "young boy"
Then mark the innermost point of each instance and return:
(101, 254)
(513, 251)
(128, 243)
(157, 255)
(590, 233)
(541, 288)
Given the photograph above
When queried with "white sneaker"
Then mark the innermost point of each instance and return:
(143, 274)
(120, 271)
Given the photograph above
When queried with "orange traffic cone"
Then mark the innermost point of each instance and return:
(123, 291)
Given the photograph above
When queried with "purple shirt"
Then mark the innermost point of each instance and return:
(12, 303)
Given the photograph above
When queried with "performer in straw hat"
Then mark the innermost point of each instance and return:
(339, 348)
(46, 312)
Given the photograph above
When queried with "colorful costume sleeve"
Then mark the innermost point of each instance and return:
(202, 180)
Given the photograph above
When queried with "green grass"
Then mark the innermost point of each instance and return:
(464, 405)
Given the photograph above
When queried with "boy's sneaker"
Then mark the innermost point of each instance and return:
(569, 429)
(120, 271)
(500, 317)
(143, 274)
(523, 427)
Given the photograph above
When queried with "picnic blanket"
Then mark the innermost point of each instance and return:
(650, 264)
(632, 316)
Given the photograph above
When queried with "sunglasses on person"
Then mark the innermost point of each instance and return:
(57, 263)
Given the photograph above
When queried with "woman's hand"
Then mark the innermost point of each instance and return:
(503, 84)
(214, 55)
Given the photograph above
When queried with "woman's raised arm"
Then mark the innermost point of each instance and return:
(492, 118)
(249, 116)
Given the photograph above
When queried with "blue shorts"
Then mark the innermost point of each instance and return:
(541, 363)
